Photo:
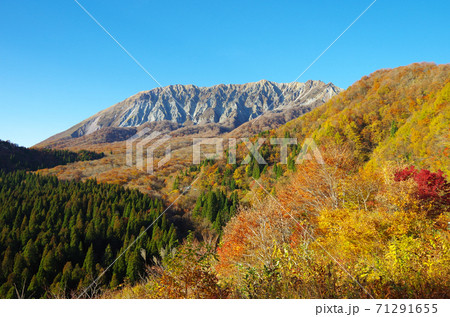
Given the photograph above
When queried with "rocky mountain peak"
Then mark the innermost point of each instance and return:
(229, 105)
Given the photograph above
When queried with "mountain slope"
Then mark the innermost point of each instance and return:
(57, 237)
(362, 225)
(226, 105)
(393, 114)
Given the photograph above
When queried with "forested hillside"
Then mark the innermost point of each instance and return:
(57, 237)
(400, 114)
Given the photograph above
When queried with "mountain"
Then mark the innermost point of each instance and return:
(227, 106)
(399, 114)
(372, 222)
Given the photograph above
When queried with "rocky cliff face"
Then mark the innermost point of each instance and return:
(187, 105)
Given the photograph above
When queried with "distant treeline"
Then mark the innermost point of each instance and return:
(14, 157)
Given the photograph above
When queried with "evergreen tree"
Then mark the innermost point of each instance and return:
(108, 257)
(89, 262)
(256, 170)
(134, 267)
(211, 206)
(176, 183)
(31, 253)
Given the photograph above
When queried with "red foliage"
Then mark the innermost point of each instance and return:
(432, 188)
(405, 174)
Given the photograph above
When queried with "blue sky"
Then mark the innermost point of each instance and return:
(57, 67)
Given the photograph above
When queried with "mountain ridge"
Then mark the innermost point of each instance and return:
(228, 105)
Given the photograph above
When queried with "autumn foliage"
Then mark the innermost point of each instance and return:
(433, 190)
(336, 231)
(370, 222)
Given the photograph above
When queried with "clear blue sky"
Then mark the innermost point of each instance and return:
(57, 67)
